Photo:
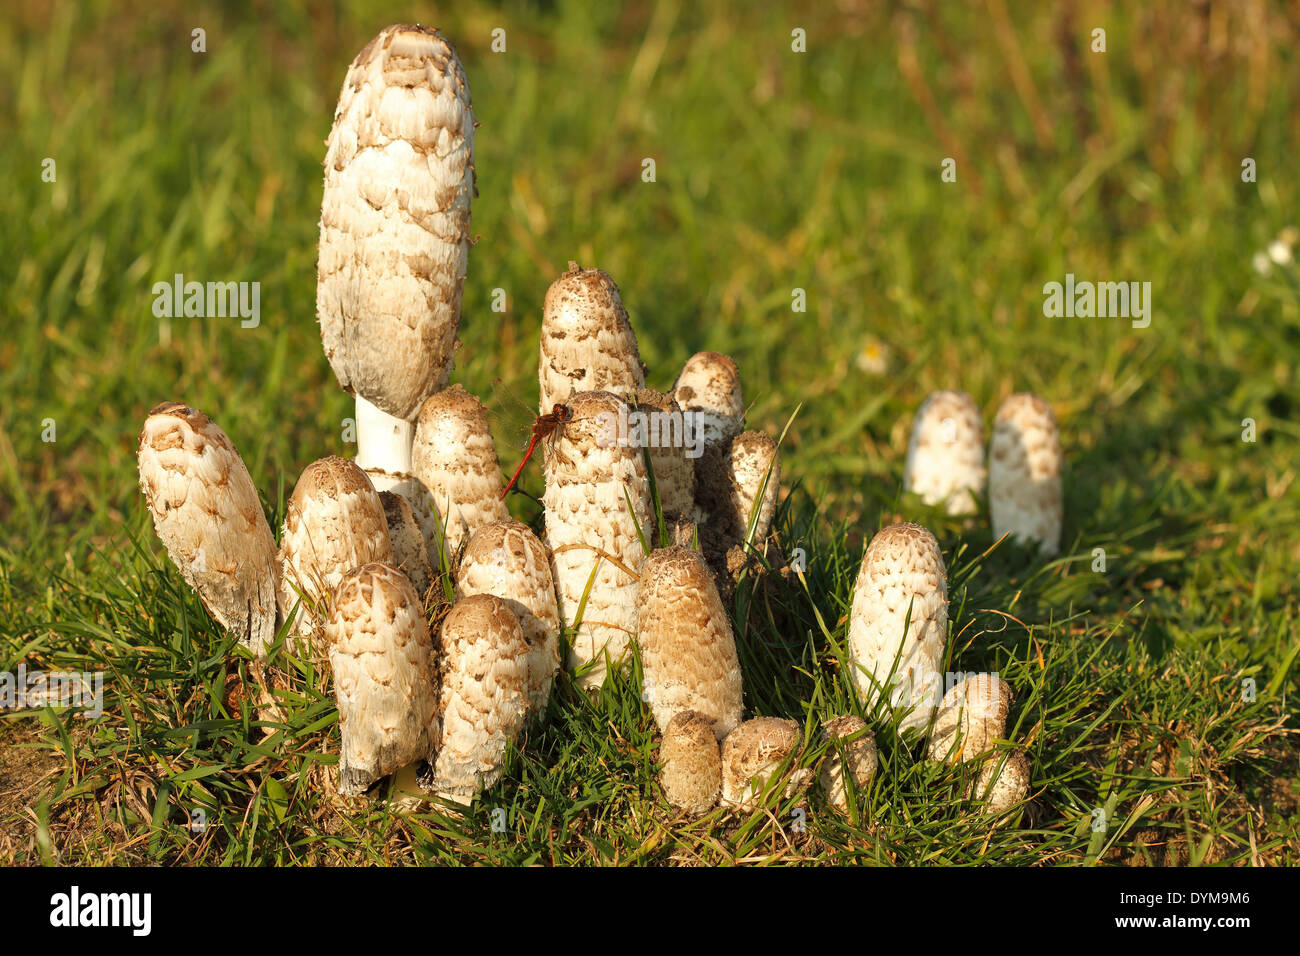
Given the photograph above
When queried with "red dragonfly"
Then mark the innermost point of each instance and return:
(547, 426)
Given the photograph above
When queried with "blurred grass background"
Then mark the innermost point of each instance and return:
(775, 171)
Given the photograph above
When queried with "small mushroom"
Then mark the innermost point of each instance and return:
(692, 763)
(898, 623)
(755, 467)
(688, 652)
(409, 553)
(753, 753)
(709, 388)
(971, 720)
(668, 444)
(455, 458)
(385, 675)
(334, 522)
(394, 233)
(1025, 498)
(484, 695)
(945, 458)
(206, 512)
(587, 342)
(850, 754)
(505, 558)
(592, 533)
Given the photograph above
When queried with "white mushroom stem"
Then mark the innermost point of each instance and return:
(383, 445)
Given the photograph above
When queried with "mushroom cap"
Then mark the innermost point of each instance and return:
(394, 228)
(334, 522)
(852, 752)
(385, 674)
(945, 457)
(587, 342)
(692, 763)
(752, 753)
(1025, 495)
(1004, 784)
(484, 697)
(709, 385)
(410, 555)
(688, 651)
(751, 455)
(455, 458)
(590, 480)
(505, 558)
(207, 514)
(902, 573)
(674, 472)
(972, 715)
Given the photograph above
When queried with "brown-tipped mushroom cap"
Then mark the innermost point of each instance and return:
(753, 459)
(851, 754)
(394, 229)
(972, 715)
(688, 652)
(692, 763)
(587, 342)
(455, 458)
(410, 555)
(590, 480)
(709, 388)
(385, 676)
(484, 669)
(667, 438)
(505, 558)
(206, 512)
(752, 753)
(1003, 784)
(945, 457)
(334, 522)
(902, 574)
(1025, 498)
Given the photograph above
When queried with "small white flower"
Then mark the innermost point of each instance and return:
(1279, 252)
(873, 357)
(1261, 263)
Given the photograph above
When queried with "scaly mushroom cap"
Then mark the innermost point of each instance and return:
(425, 511)
(945, 458)
(902, 572)
(587, 342)
(334, 522)
(394, 227)
(666, 438)
(455, 458)
(692, 764)
(852, 753)
(385, 675)
(484, 668)
(688, 652)
(1025, 498)
(709, 386)
(752, 753)
(206, 513)
(590, 479)
(752, 458)
(971, 717)
(409, 553)
(1002, 785)
(506, 559)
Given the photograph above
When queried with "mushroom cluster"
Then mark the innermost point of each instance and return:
(444, 621)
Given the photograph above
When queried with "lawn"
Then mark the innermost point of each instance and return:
(1153, 687)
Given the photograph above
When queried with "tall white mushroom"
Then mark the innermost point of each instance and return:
(334, 522)
(753, 754)
(692, 763)
(688, 652)
(484, 696)
(898, 624)
(394, 235)
(971, 720)
(505, 558)
(591, 480)
(945, 457)
(455, 458)
(385, 675)
(1025, 498)
(587, 342)
(206, 512)
(753, 459)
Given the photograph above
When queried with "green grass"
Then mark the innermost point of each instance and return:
(776, 171)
